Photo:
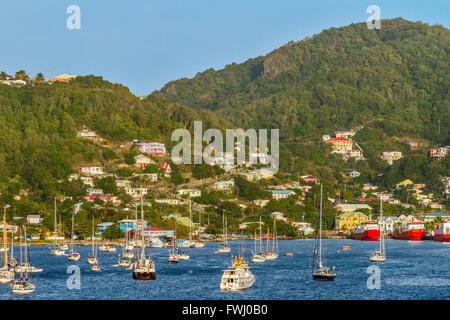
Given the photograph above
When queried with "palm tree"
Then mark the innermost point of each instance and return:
(21, 75)
(39, 78)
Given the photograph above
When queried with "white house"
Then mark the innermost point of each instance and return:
(142, 161)
(224, 185)
(136, 192)
(123, 183)
(92, 171)
(173, 202)
(191, 193)
(391, 156)
(34, 219)
(281, 194)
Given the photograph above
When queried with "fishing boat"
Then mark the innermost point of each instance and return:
(442, 232)
(319, 270)
(73, 255)
(224, 247)
(238, 276)
(413, 231)
(93, 259)
(258, 256)
(367, 231)
(380, 255)
(23, 285)
(143, 268)
(107, 248)
(273, 254)
(6, 275)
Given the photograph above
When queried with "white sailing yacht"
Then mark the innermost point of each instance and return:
(198, 243)
(238, 276)
(6, 275)
(319, 271)
(224, 247)
(258, 256)
(73, 255)
(59, 250)
(143, 268)
(273, 254)
(25, 267)
(25, 284)
(12, 261)
(173, 256)
(107, 248)
(93, 259)
(380, 255)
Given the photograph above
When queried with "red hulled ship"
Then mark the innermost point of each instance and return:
(413, 231)
(367, 231)
(442, 232)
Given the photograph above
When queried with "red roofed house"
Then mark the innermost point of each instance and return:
(341, 144)
(165, 167)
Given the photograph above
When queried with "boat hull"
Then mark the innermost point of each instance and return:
(322, 277)
(144, 275)
(411, 235)
(442, 237)
(367, 235)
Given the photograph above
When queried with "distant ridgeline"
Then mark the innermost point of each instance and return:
(391, 83)
(39, 122)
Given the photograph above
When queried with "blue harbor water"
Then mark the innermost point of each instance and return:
(414, 270)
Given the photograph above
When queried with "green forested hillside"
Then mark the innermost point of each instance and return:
(38, 124)
(393, 82)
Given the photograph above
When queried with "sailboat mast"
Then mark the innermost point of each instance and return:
(93, 236)
(382, 227)
(142, 229)
(5, 246)
(55, 223)
(320, 227)
(260, 235)
(190, 219)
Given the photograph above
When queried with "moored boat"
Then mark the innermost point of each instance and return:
(367, 231)
(413, 231)
(442, 232)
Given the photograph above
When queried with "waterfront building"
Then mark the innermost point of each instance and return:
(34, 219)
(348, 220)
(281, 194)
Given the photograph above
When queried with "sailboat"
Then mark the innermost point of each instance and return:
(127, 253)
(198, 243)
(259, 256)
(224, 247)
(319, 271)
(380, 255)
(273, 254)
(107, 248)
(59, 250)
(12, 261)
(24, 285)
(173, 256)
(238, 276)
(93, 259)
(5, 275)
(143, 268)
(73, 255)
(25, 267)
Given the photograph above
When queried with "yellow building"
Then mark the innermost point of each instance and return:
(348, 220)
(404, 183)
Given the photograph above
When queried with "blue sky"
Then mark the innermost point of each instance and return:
(143, 44)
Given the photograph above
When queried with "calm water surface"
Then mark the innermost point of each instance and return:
(414, 270)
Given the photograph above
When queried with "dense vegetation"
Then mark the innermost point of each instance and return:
(393, 82)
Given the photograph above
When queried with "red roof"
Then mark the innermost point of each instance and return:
(155, 229)
(164, 165)
(339, 139)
